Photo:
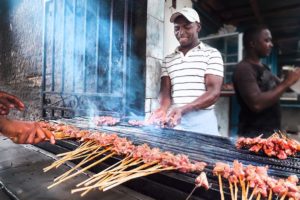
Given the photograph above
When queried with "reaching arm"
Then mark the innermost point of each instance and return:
(24, 132)
(165, 93)
(258, 100)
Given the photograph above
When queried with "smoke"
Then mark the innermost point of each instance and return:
(89, 52)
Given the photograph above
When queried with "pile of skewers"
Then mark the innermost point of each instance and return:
(277, 145)
(255, 178)
(138, 160)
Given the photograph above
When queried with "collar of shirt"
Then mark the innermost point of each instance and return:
(201, 45)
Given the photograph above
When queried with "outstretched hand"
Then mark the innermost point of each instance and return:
(8, 101)
(25, 132)
(157, 117)
(293, 76)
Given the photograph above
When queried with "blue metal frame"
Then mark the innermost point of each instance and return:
(71, 90)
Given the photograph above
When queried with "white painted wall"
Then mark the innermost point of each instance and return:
(170, 42)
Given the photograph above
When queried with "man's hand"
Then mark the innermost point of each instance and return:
(174, 117)
(24, 132)
(157, 117)
(292, 76)
(8, 101)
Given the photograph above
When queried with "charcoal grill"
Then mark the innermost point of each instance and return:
(199, 147)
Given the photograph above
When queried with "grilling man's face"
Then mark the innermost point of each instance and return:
(186, 32)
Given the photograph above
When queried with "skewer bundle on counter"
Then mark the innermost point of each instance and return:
(138, 160)
(278, 145)
(255, 178)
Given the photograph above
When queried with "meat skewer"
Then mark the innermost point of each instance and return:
(278, 145)
(142, 160)
(200, 181)
(96, 144)
(106, 121)
(221, 170)
(258, 179)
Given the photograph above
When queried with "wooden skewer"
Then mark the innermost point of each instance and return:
(258, 196)
(102, 172)
(247, 190)
(231, 190)
(250, 198)
(191, 193)
(67, 157)
(64, 161)
(236, 189)
(107, 176)
(113, 179)
(242, 182)
(84, 153)
(196, 186)
(130, 178)
(136, 175)
(73, 156)
(221, 186)
(155, 167)
(270, 195)
(92, 156)
(87, 190)
(283, 196)
(82, 170)
(78, 150)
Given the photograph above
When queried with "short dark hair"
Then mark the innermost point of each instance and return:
(251, 33)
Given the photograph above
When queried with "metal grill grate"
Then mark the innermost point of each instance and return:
(198, 147)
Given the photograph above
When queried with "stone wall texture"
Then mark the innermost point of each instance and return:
(21, 53)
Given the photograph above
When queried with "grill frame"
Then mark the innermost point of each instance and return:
(177, 185)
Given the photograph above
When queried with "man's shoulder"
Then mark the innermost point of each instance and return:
(244, 66)
(207, 47)
(244, 69)
(171, 55)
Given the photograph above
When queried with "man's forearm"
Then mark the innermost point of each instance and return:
(202, 102)
(165, 103)
(267, 99)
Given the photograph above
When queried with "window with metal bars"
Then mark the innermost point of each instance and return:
(93, 57)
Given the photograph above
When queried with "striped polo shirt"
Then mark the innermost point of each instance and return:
(187, 72)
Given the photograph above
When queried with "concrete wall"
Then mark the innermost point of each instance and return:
(21, 56)
(154, 52)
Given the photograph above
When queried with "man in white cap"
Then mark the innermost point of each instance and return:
(191, 79)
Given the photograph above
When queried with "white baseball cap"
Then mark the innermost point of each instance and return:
(189, 13)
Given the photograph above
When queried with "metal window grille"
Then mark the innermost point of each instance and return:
(86, 57)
